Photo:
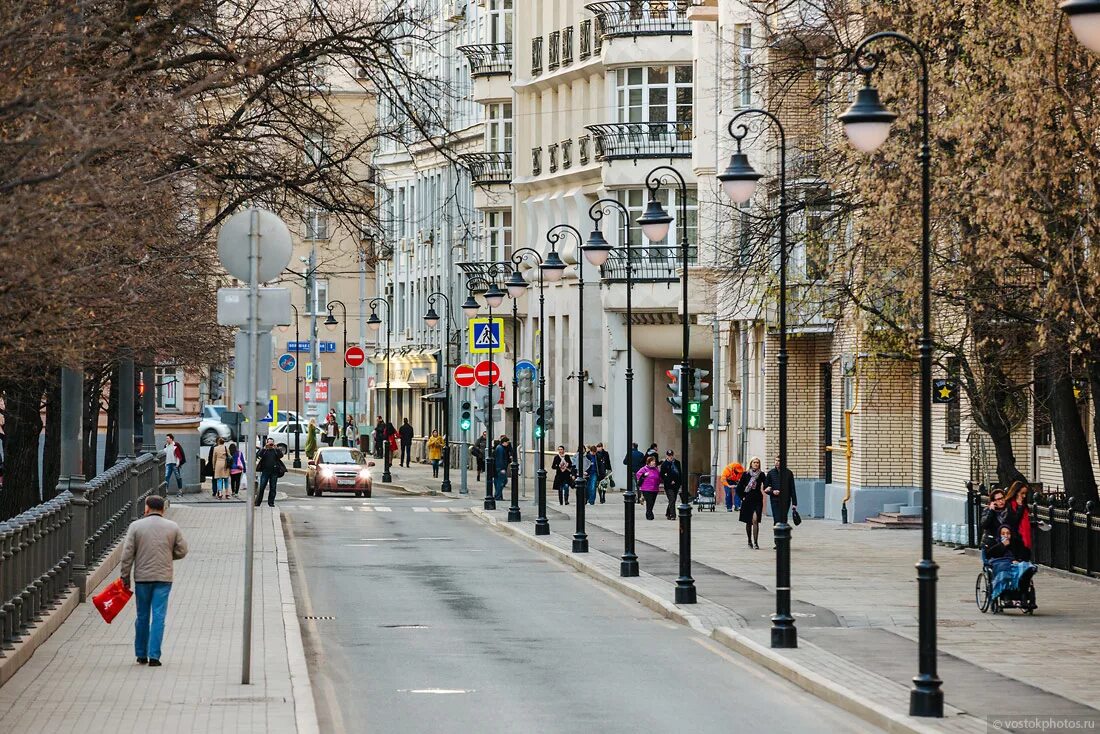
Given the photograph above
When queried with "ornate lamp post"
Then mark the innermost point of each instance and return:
(596, 251)
(373, 323)
(654, 222)
(331, 323)
(494, 297)
(867, 125)
(431, 318)
(739, 182)
(297, 395)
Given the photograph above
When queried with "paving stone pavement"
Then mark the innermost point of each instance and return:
(84, 678)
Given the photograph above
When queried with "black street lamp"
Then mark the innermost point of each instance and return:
(550, 269)
(739, 181)
(867, 125)
(514, 514)
(331, 323)
(494, 297)
(374, 322)
(431, 318)
(297, 394)
(1084, 21)
(654, 222)
(596, 251)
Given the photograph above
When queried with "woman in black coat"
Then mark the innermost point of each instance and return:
(563, 474)
(750, 488)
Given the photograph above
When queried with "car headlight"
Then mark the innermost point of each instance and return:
(327, 473)
(364, 473)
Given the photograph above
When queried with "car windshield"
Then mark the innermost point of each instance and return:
(216, 411)
(341, 456)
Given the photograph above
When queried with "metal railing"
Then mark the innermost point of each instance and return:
(586, 39)
(582, 149)
(625, 18)
(536, 55)
(488, 59)
(554, 50)
(52, 546)
(567, 45)
(597, 37)
(645, 265)
(552, 157)
(489, 168)
(566, 154)
(632, 140)
(536, 161)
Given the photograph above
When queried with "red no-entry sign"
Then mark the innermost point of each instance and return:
(486, 373)
(355, 357)
(464, 375)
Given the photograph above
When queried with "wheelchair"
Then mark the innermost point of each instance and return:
(1022, 599)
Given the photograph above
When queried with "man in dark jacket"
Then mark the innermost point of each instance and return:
(772, 488)
(672, 477)
(603, 470)
(405, 433)
(502, 456)
(269, 467)
(379, 437)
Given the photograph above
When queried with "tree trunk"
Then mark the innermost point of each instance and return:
(23, 426)
(110, 449)
(93, 396)
(1007, 471)
(1069, 434)
(51, 453)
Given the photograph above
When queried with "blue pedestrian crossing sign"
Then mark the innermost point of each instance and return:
(486, 335)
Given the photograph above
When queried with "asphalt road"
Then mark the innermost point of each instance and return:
(426, 620)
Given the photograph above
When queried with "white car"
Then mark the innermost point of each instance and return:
(211, 426)
(283, 435)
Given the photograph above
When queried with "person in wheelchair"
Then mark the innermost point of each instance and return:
(1011, 563)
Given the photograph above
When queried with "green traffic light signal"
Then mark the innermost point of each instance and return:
(465, 421)
(464, 424)
(538, 430)
(693, 414)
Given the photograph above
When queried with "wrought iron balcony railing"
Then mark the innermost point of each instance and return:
(536, 161)
(631, 140)
(553, 43)
(586, 38)
(536, 56)
(488, 59)
(566, 154)
(582, 149)
(489, 168)
(552, 157)
(645, 264)
(626, 18)
(567, 46)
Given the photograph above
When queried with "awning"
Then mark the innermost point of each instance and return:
(435, 396)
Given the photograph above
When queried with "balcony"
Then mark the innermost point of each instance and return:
(536, 161)
(567, 46)
(489, 168)
(488, 59)
(643, 264)
(634, 140)
(552, 156)
(554, 44)
(633, 18)
(809, 309)
(583, 145)
(536, 56)
(586, 38)
(566, 154)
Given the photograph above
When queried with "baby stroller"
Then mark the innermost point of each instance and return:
(1022, 599)
(704, 494)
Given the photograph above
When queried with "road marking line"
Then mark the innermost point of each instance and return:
(440, 509)
(420, 509)
(435, 538)
(360, 545)
(349, 508)
(365, 508)
(436, 690)
(460, 509)
(383, 509)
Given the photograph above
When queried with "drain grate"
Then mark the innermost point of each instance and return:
(319, 617)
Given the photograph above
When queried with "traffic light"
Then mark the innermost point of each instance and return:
(481, 404)
(699, 385)
(525, 383)
(544, 419)
(694, 413)
(464, 419)
(676, 387)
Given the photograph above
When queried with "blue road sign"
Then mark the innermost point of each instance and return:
(327, 347)
(486, 337)
(287, 362)
(525, 364)
(304, 346)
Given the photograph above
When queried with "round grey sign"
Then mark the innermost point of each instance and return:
(275, 246)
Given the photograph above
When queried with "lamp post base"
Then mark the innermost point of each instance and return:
(297, 463)
(926, 697)
(580, 543)
(542, 526)
(490, 503)
(445, 486)
(685, 591)
(628, 567)
(513, 514)
(784, 633)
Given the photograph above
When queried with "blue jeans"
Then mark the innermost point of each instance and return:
(267, 479)
(592, 489)
(435, 467)
(169, 470)
(498, 483)
(152, 596)
(733, 502)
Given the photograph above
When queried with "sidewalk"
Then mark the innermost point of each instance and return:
(856, 610)
(84, 678)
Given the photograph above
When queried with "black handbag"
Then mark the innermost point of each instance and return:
(280, 469)
(796, 517)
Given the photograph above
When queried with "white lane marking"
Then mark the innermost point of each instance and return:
(439, 509)
(380, 540)
(420, 509)
(349, 508)
(460, 509)
(364, 508)
(435, 538)
(360, 545)
(383, 509)
(444, 691)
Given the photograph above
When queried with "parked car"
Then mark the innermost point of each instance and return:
(283, 435)
(338, 469)
(212, 425)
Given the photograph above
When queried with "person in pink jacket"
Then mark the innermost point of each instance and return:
(649, 483)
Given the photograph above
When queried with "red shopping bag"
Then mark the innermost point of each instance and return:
(111, 600)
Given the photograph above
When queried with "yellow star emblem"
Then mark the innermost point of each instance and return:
(1076, 393)
(945, 392)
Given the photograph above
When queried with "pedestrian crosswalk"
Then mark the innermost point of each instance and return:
(369, 508)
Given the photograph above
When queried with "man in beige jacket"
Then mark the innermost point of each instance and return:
(152, 544)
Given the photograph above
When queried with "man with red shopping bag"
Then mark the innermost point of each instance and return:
(152, 544)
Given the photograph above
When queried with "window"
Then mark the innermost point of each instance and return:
(635, 201)
(320, 296)
(498, 132)
(169, 388)
(654, 94)
(316, 224)
(848, 391)
(743, 39)
(500, 21)
(1043, 430)
(816, 242)
(499, 225)
(953, 414)
(315, 148)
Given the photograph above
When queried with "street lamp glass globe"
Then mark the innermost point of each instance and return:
(494, 296)
(553, 267)
(655, 221)
(431, 318)
(284, 328)
(739, 179)
(867, 122)
(516, 284)
(470, 307)
(374, 322)
(597, 249)
(1084, 21)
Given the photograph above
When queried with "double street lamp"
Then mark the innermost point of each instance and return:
(431, 318)
(867, 125)
(330, 324)
(596, 251)
(739, 182)
(373, 322)
(655, 223)
(297, 395)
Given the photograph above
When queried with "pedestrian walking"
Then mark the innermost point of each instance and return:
(236, 468)
(501, 456)
(219, 459)
(406, 434)
(379, 437)
(206, 466)
(435, 451)
(564, 473)
(604, 478)
(269, 467)
(350, 432)
(634, 459)
(152, 544)
(479, 452)
(652, 451)
(588, 461)
(649, 484)
(391, 440)
(173, 460)
(731, 475)
(332, 429)
(364, 434)
(672, 474)
(312, 434)
(750, 488)
(773, 490)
